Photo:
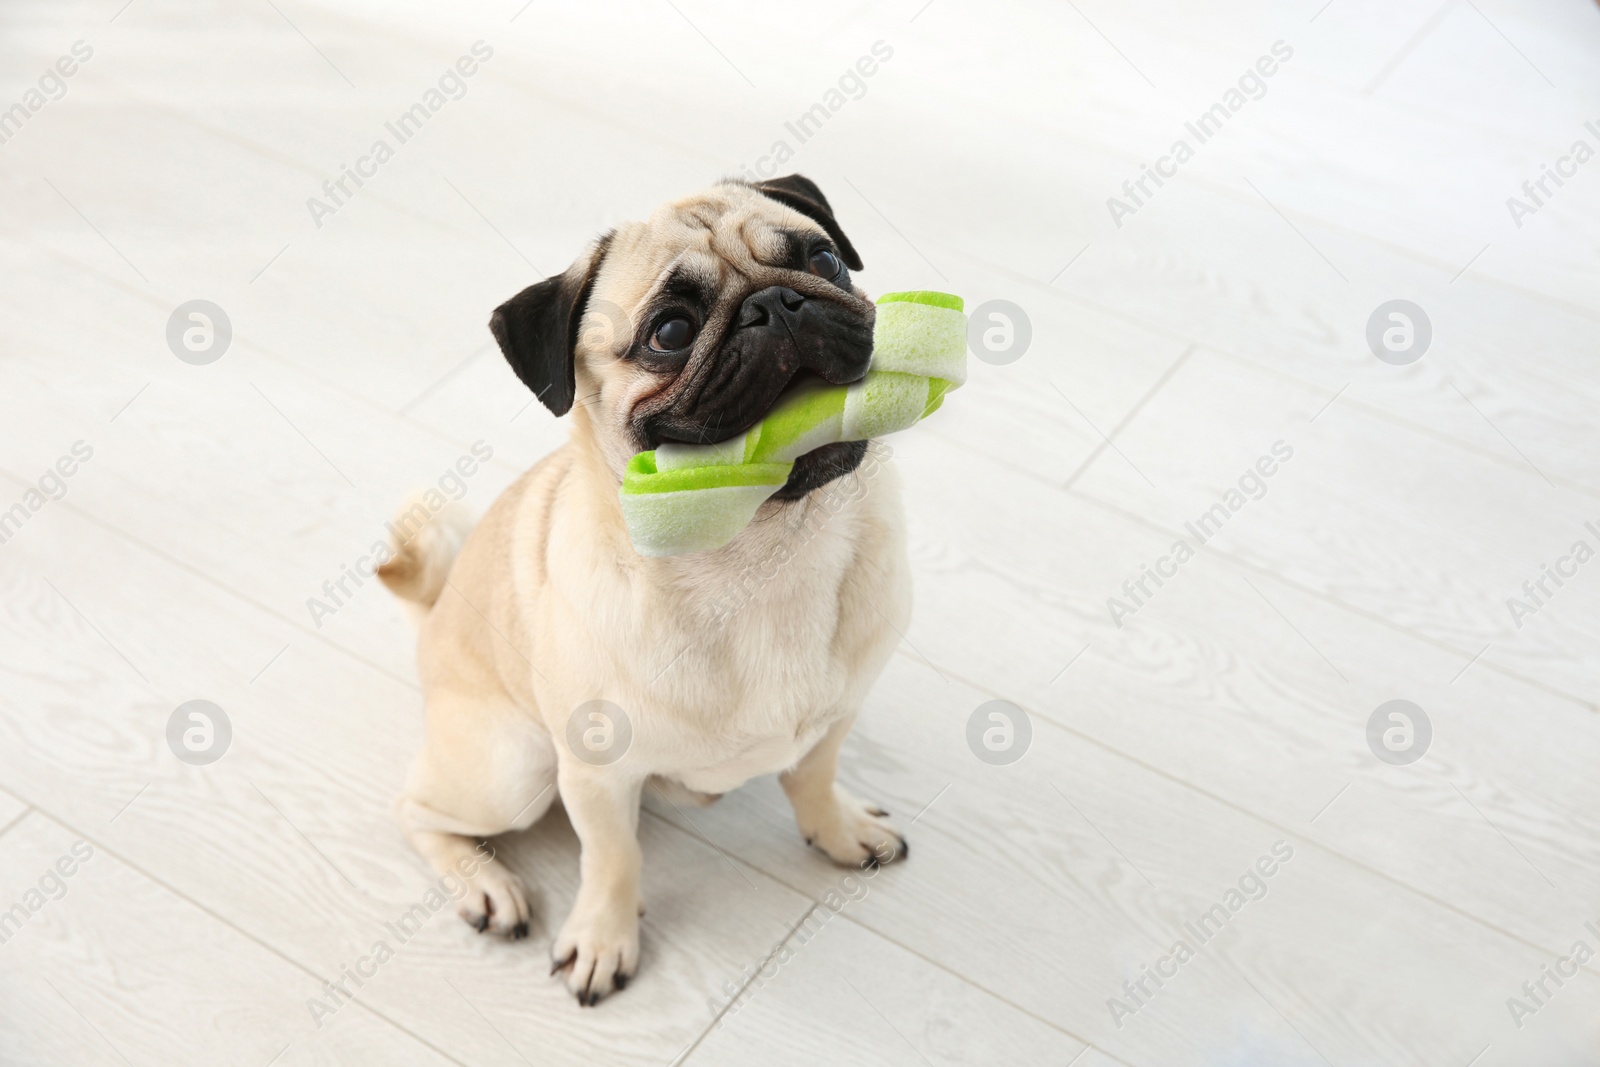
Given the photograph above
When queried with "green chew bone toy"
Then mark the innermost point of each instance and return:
(692, 498)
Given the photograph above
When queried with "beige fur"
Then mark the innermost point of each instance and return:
(548, 607)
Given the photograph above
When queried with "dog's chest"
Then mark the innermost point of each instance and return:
(756, 691)
(733, 664)
(759, 674)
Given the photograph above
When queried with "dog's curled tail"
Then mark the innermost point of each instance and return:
(423, 544)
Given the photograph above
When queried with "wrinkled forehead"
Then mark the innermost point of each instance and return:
(721, 241)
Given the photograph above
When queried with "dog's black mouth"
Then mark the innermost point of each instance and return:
(778, 343)
(660, 430)
(820, 466)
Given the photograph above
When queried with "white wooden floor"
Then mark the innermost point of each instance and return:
(1227, 313)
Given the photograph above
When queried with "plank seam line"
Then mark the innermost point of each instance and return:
(284, 362)
(963, 979)
(1421, 429)
(1360, 612)
(1222, 554)
(27, 809)
(407, 419)
(1173, 334)
(1150, 393)
(232, 591)
(1338, 604)
(683, 1057)
(1237, 561)
(230, 924)
(1265, 820)
(1046, 129)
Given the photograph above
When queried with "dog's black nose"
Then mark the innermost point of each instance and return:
(774, 304)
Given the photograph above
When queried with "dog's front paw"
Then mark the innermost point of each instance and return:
(598, 949)
(496, 901)
(852, 833)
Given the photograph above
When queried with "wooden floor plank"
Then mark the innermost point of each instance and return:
(11, 811)
(1207, 680)
(111, 967)
(1395, 524)
(288, 838)
(1228, 712)
(1247, 235)
(906, 1009)
(1055, 879)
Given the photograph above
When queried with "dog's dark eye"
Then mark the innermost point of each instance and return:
(672, 335)
(824, 264)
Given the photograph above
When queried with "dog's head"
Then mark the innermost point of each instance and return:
(688, 327)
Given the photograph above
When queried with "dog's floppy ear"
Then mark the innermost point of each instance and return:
(801, 193)
(538, 329)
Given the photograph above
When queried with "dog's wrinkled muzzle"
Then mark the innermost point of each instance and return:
(692, 498)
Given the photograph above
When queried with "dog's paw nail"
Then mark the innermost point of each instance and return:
(905, 849)
(879, 812)
(621, 982)
(809, 840)
(481, 923)
(519, 931)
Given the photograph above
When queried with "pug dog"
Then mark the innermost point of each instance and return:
(556, 661)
